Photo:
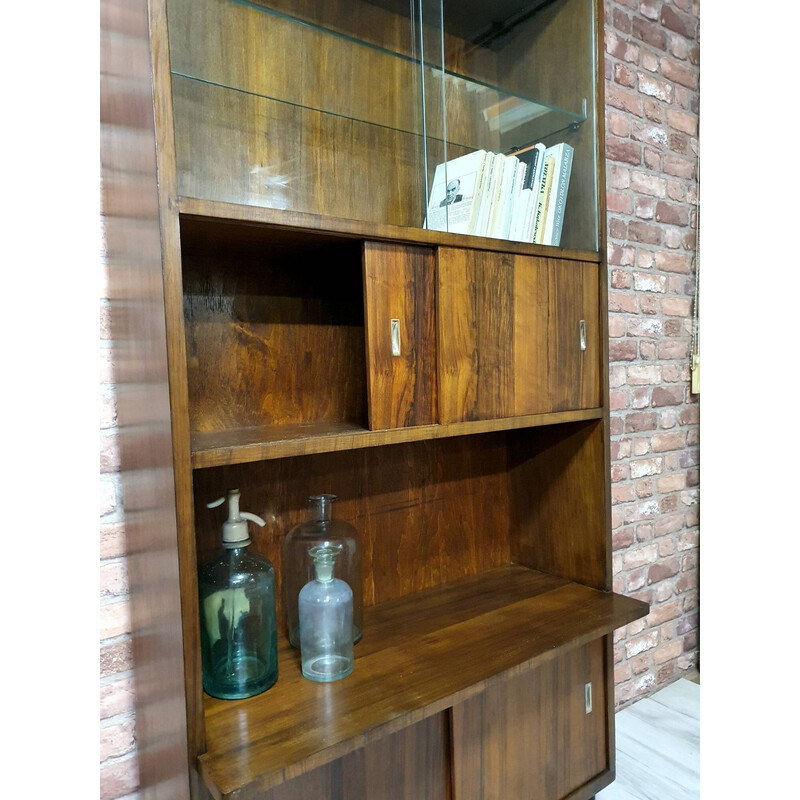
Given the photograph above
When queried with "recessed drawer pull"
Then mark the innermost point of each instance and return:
(395, 337)
(587, 696)
(583, 334)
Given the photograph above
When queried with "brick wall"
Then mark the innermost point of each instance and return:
(118, 766)
(652, 105)
(652, 102)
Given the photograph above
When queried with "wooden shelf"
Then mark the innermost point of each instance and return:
(420, 655)
(244, 445)
(210, 211)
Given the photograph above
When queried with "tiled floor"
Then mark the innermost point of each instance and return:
(658, 746)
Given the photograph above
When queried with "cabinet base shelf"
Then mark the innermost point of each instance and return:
(420, 655)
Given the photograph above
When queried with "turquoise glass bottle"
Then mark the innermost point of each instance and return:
(326, 620)
(238, 632)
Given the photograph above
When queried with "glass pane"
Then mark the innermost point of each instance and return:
(358, 109)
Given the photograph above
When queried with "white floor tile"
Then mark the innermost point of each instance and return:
(658, 747)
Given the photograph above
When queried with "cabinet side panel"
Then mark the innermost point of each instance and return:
(138, 242)
(557, 501)
(409, 765)
(399, 284)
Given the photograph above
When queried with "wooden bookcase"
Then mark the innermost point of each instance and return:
(475, 465)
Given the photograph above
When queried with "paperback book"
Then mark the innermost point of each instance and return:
(455, 195)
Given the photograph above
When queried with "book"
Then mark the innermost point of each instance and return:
(520, 222)
(555, 211)
(494, 179)
(543, 198)
(452, 203)
(501, 213)
(531, 156)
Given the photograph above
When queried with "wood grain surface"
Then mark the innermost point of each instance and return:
(509, 335)
(427, 512)
(399, 283)
(420, 655)
(411, 764)
(530, 736)
(274, 331)
(232, 221)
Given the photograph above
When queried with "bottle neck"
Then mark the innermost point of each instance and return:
(321, 507)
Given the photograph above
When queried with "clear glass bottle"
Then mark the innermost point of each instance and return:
(238, 632)
(326, 620)
(318, 530)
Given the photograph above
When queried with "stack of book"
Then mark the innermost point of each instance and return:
(520, 196)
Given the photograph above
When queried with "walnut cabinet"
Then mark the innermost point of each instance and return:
(450, 390)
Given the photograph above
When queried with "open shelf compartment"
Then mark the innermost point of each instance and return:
(420, 655)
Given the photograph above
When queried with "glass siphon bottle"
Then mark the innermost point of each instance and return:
(326, 620)
(320, 528)
(238, 632)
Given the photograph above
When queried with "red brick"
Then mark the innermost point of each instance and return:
(667, 396)
(662, 570)
(112, 539)
(636, 646)
(115, 658)
(681, 121)
(672, 483)
(647, 304)
(680, 23)
(642, 232)
(618, 177)
(113, 579)
(680, 73)
(647, 352)
(673, 262)
(625, 350)
(622, 22)
(623, 99)
(622, 539)
(109, 453)
(617, 228)
(652, 87)
(646, 328)
(653, 185)
(652, 159)
(622, 493)
(116, 740)
(649, 33)
(671, 214)
(687, 581)
(623, 150)
(117, 698)
(625, 303)
(653, 110)
(663, 613)
(661, 442)
(119, 778)
(666, 652)
(638, 422)
(616, 327)
(679, 167)
(624, 76)
(645, 488)
(649, 134)
(676, 306)
(618, 400)
(108, 497)
(643, 376)
(619, 202)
